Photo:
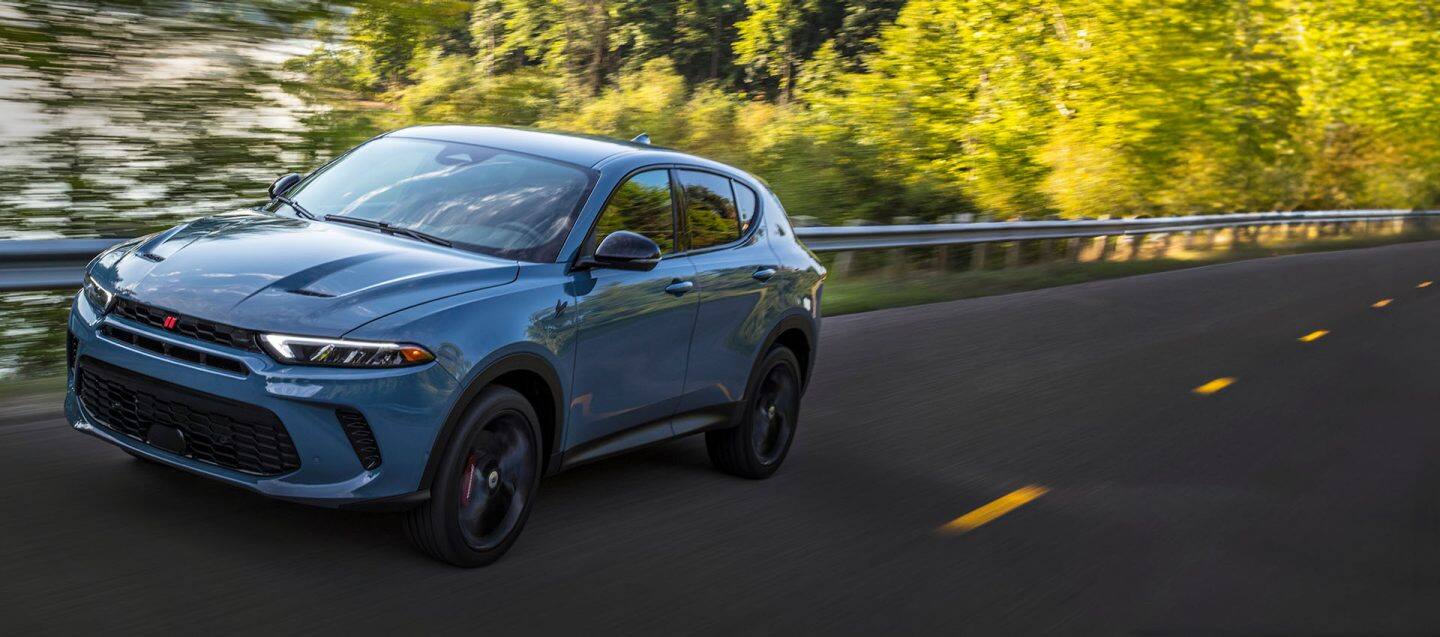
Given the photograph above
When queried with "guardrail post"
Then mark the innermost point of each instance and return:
(1137, 246)
(1072, 248)
(1012, 255)
(1107, 246)
(942, 258)
(977, 256)
(844, 261)
(898, 261)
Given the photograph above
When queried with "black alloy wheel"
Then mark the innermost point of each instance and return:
(756, 446)
(495, 481)
(485, 487)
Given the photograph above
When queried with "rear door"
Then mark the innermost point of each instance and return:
(732, 265)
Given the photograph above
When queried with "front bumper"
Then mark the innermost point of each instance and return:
(405, 409)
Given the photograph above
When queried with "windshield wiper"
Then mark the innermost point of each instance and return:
(389, 229)
(295, 205)
(416, 234)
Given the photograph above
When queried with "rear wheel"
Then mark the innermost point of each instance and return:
(756, 446)
(488, 477)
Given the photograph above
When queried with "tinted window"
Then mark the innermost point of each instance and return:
(745, 201)
(492, 201)
(641, 204)
(709, 208)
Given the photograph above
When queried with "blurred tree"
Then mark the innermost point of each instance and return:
(705, 39)
(396, 37)
(779, 35)
(863, 21)
(961, 90)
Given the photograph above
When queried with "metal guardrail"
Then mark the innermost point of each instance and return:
(846, 238)
(58, 264)
(47, 264)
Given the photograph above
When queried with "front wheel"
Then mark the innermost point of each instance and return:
(486, 484)
(756, 446)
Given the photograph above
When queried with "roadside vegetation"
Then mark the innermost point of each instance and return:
(873, 109)
(884, 287)
(127, 117)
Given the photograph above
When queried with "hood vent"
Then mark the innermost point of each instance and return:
(323, 295)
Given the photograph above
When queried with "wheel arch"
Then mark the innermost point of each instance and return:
(796, 330)
(527, 373)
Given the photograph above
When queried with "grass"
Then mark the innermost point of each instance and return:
(866, 292)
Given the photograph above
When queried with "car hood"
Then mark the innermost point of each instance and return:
(268, 273)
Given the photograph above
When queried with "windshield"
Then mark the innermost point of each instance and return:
(492, 201)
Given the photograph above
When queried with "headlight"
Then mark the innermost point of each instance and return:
(97, 295)
(330, 352)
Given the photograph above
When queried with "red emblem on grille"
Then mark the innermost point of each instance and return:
(170, 322)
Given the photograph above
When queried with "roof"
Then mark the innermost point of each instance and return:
(585, 150)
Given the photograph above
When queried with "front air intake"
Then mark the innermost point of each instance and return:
(209, 428)
(362, 439)
(72, 347)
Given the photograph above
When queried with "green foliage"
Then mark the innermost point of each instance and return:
(851, 109)
(126, 117)
(453, 89)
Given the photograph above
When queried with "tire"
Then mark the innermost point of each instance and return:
(486, 484)
(756, 446)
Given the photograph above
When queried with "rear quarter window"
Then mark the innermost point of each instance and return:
(745, 203)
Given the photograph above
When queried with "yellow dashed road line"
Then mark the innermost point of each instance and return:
(1313, 336)
(1382, 303)
(1005, 504)
(1424, 284)
(1214, 386)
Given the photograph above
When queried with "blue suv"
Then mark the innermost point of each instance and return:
(442, 315)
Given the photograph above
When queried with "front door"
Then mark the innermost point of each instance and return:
(634, 327)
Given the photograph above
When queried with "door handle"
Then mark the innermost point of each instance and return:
(680, 287)
(764, 274)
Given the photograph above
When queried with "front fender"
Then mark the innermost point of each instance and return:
(480, 335)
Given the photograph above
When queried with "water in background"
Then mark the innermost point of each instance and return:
(121, 118)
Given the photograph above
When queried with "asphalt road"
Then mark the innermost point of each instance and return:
(1302, 499)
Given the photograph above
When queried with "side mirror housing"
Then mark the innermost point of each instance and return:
(625, 250)
(284, 183)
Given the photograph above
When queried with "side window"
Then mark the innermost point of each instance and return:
(745, 202)
(640, 205)
(709, 208)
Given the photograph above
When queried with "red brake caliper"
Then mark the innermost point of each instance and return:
(469, 480)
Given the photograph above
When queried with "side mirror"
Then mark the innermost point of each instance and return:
(284, 183)
(625, 250)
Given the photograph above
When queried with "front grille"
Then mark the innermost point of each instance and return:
(172, 350)
(362, 439)
(217, 430)
(199, 329)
